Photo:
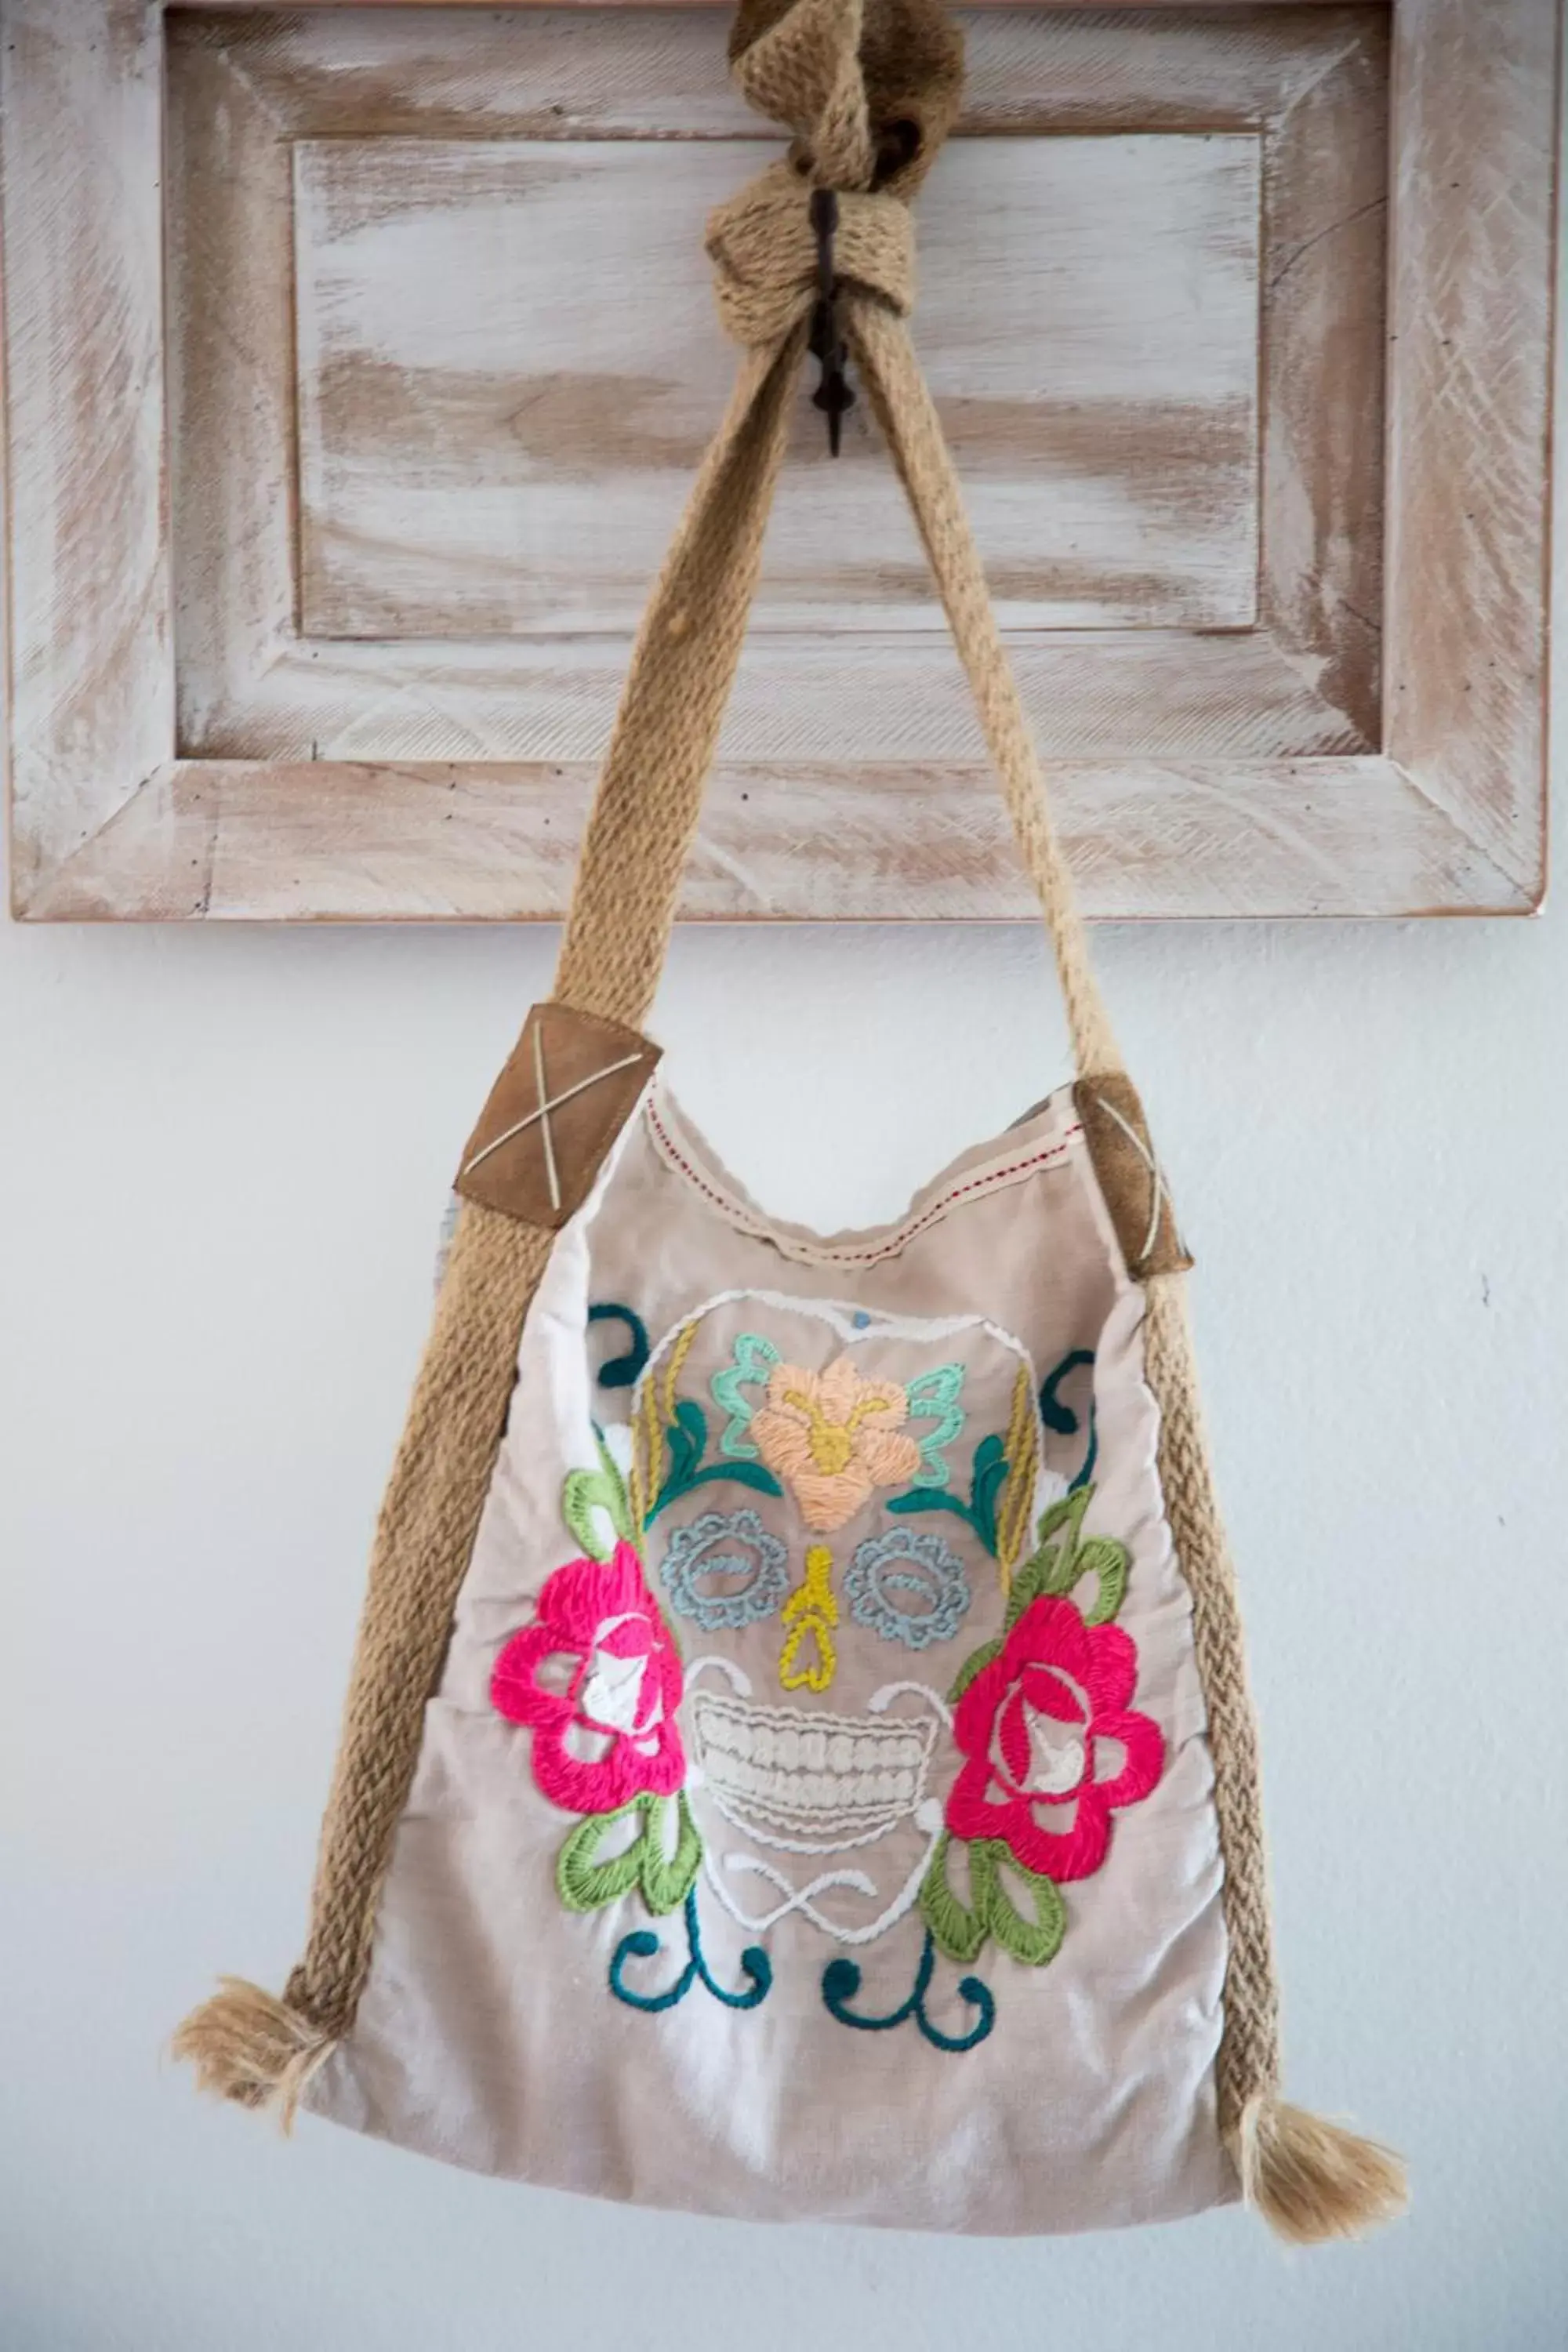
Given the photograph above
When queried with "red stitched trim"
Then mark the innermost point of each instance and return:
(906, 1233)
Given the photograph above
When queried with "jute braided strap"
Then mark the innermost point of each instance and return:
(869, 88)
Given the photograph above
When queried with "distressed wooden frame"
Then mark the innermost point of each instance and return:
(1438, 808)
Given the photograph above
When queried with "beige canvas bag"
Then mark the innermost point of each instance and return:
(799, 1762)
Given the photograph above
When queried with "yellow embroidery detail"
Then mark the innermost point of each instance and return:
(676, 1366)
(811, 1612)
(649, 1428)
(1013, 1524)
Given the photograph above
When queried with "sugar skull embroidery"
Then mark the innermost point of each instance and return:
(886, 1722)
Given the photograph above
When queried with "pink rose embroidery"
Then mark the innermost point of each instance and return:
(603, 1717)
(1034, 1726)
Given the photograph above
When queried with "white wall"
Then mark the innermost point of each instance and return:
(225, 1156)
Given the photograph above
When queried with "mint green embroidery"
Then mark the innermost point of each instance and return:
(662, 1859)
(1066, 1556)
(588, 1492)
(962, 1929)
(752, 1360)
(934, 1396)
(988, 1475)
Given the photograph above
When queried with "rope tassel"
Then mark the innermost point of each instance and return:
(249, 2047)
(1312, 2180)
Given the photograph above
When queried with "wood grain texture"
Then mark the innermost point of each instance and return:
(1114, 693)
(439, 841)
(509, 366)
(90, 705)
(1470, 423)
(251, 688)
(1325, 311)
(1312, 763)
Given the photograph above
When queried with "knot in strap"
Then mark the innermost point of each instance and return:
(763, 251)
(870, 89)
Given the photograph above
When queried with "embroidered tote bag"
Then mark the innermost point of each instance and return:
(798, 1760)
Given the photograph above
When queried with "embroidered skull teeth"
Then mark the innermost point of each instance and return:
(813, 1775)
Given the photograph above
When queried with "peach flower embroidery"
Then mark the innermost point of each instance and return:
(834, 1438)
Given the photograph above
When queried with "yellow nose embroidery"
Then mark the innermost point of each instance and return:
(832, 1442)
(831, 1446)
(810, 1612)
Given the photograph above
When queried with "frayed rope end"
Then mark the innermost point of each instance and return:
(1312, 2180)
(248, 2047)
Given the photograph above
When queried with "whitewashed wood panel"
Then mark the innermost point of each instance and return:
(509, 366)
(251, 686)
(1471, 439)
(797, 697)
(90, 692)
(244, 764)
(1145, 838)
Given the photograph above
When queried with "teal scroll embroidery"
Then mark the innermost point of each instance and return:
(841, 1982)
(622, 1371)
(1062, 1419)
(751, 1362)
(643, 1944)
(934, 1396)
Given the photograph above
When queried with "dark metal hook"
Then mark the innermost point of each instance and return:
(834, 394)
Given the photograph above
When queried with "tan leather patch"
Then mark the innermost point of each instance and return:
(552, 1114)
(1134, 1191)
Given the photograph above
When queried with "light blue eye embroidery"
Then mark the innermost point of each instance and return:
(908, 1586)
(725, 1570)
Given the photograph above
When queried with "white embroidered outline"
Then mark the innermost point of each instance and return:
(926, 1812)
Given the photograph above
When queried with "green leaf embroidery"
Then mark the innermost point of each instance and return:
(1105, 1560)
(974, 1663)
(584, 1882)
(962, 1930)
(987, 1479)
(1035, 1940)
(1060, 1566)
(588, 1492)
(687, 1438)
(1057, 1514)
(666, 1878)
(1028, 1583)
(930, 1499)
(956, 1929)
(669, 1878)
(991, 1467)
